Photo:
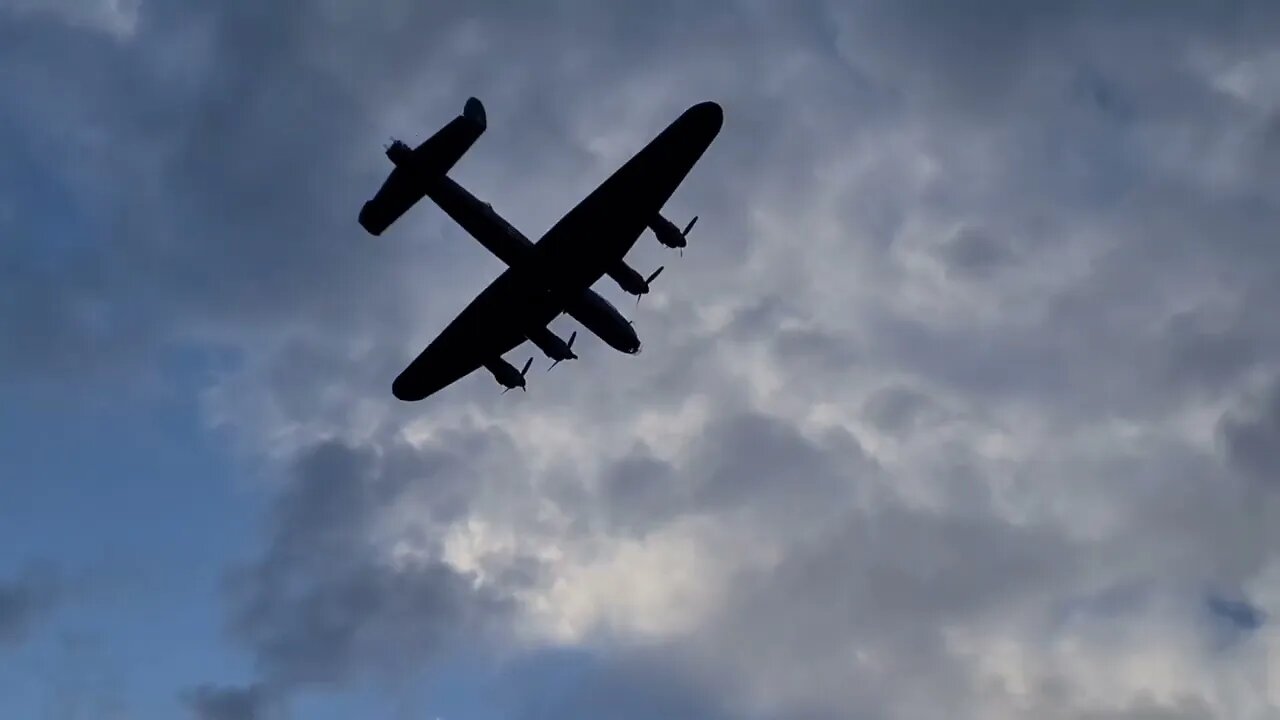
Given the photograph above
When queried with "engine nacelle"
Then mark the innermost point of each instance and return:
(631, 281)
(628, 279)
(602, 318)
(670, 235)
(552, 346)
(398, 152)
(506, 374)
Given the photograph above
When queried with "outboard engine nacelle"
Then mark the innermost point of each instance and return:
(398, 152)
(506, 374)
(670, 235)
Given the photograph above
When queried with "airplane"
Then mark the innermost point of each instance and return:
(553, 275)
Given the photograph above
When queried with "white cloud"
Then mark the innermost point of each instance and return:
(118, 18)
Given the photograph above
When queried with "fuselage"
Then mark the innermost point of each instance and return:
(511, 246)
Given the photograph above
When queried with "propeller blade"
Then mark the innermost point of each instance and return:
(504, 392)
(553, 365)
(572, 336)
(681, 252)
(655, 274)
(526, 366)
(689, 227)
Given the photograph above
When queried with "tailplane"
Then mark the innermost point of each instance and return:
(415, 167)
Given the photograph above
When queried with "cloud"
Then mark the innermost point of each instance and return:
(118, 18)
(642, 685)
(209, 702)
(1251, 435)
(325, 604)
(1240, 614)
(973, 338)
(26, 600)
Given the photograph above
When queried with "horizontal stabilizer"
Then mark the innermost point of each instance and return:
(414, 169)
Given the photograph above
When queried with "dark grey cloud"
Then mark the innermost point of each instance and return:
(1252, 436)
(27, 599)
(748, 464)
(1240, 614)
(211, 702)
(897, 409)
(633, 685)
(975, 252)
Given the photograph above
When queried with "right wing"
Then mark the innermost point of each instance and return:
(416, 169)
(598, 232)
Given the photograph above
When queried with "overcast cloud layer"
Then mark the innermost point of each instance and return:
(964, 399)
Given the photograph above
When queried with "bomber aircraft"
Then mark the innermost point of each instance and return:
(553, 275)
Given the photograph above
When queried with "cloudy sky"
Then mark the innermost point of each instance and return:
(964, 400)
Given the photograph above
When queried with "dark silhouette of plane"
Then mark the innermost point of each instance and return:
(551, 276)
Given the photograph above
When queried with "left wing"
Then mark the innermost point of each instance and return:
(496, 321)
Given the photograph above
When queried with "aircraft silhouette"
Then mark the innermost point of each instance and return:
(553, 275)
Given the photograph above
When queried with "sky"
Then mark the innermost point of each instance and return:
(963, 400)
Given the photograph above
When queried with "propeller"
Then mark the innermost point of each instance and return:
(648, 280)
(569, 346)
(685, 232)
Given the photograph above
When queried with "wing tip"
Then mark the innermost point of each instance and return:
(473, 110)
(404, 390)
(369, 220)
(709, 114)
